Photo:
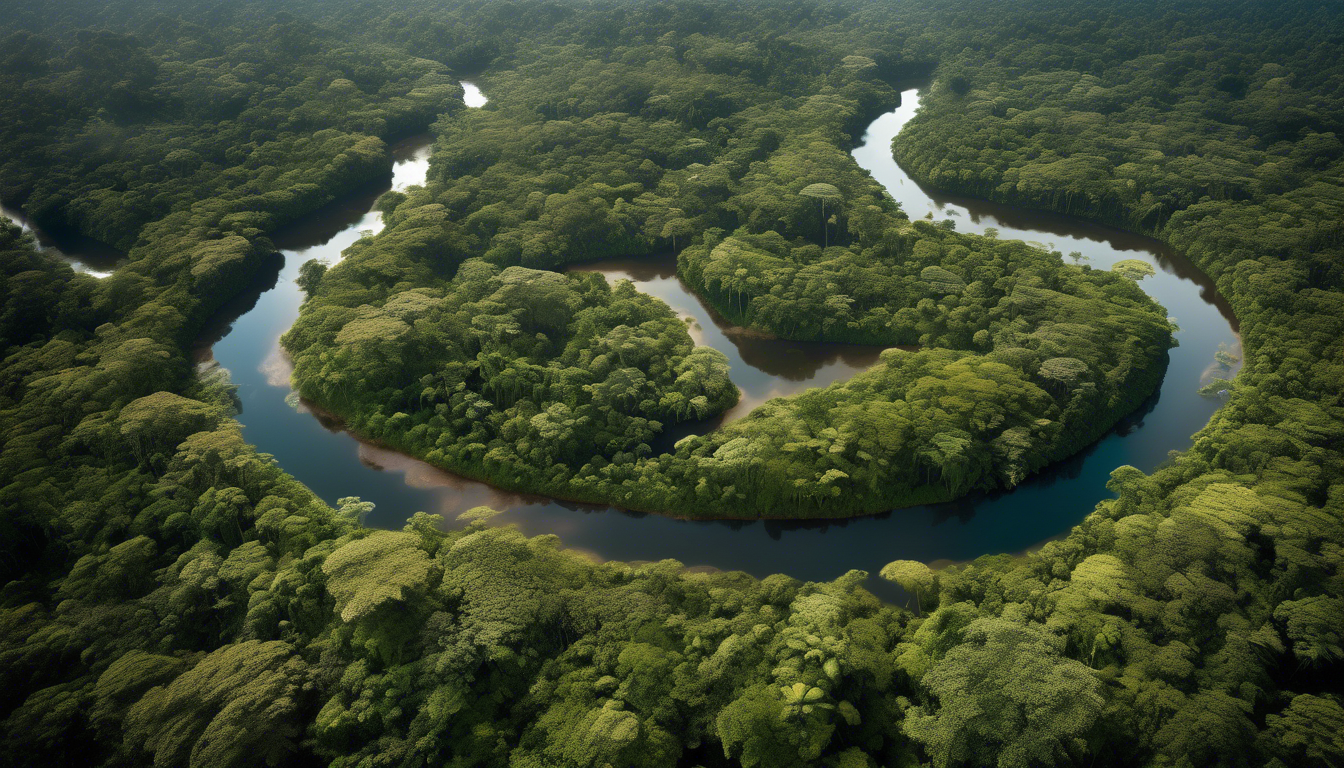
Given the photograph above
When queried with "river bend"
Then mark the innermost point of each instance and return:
(245, 339)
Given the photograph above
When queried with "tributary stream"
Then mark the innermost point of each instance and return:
(334, 464)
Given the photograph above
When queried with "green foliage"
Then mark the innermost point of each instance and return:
(1312, 627)
(1134, 269)
(126, 681)
(172, 597)
(235, 707)
(521, 376)
(767, 726)
(1006, 698)
(822, 192)
(558, 385)
(1309, 731)
(913, 576)
(368, 573)
(154, 425)
(310, 276)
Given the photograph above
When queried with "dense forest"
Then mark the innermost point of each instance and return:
(1023, 359)
(173, 597)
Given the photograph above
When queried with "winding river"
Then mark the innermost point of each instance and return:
(334, 464)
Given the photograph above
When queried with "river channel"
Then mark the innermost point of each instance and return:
(82, 253)
(334, 464)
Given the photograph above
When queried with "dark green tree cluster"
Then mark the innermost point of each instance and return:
(578, 157)
(498, 369)
(120, 130)
(171, 597)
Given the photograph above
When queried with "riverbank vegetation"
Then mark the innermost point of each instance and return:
(1025, 359)
(121, 130)
(172, 597)
(495, 367)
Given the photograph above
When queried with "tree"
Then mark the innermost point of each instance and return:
(1308, 732)
(822, 192)
(913, 576)
(1313, 626)
(1134, 269)
(766, 727)
(677, 227)
(381, 568)
(125, 681)
(1211, 728)
(354, 509)
(237, 707)
(1063, 372)
(157, 423)
(1006, 698)
(941, 280)
(310, 276)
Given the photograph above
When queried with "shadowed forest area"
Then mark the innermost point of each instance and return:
(173, 597)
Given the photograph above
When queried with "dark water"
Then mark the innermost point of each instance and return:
(83, 253)
(334, 464)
